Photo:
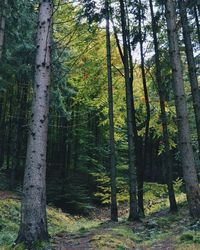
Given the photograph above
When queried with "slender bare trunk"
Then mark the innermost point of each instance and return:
(133, 213)
(187, 158)
(191, 65)
(33, 225)
(197, 22)
(3, 4)
(114, 213)
(145, 151)
(161, 91)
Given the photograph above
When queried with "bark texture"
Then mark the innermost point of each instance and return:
(187, 158)
(197, 22)
(141, 170)
(3, 4)
(191, 65)
(133, 213)
(161, 91)
(114, 213)
(33, 225)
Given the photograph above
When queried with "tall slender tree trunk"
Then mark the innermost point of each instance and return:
(10, 130)
(135, 132)
(145, 151)
(3, 129)
(197, 22)
(161, 91)
(133, 213)
(3, 4)
(198, 6)
(33, 225)
(191, 65)
(20, 119)
(114, 213)
(187, 158)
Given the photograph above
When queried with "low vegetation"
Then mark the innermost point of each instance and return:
(158, 230)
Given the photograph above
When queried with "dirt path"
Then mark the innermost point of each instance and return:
(88, 240)
(85, 242)
(108, 237)
(164, 245)
(74, 242)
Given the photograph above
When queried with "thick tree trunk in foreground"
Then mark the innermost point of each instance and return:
(187, 158)
(161, 91)
(33, 225)
(133, 213)
(114, 213)
(191, 65)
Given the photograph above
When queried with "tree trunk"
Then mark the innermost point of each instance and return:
(161, 91)
(33, 225)
(3, 4)
(114, 213)
(191, 65)
(197, 22)
(198, 6)
(145, 151)
(3, 129)
(187, 158)
(19, 120)
(133, 213)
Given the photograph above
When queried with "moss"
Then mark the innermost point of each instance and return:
(57, 222)
(153, 229)
(187, 237)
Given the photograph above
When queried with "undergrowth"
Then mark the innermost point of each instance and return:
(158, 225)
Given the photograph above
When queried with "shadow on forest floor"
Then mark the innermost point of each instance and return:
(159, 231)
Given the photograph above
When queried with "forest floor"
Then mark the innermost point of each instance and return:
(159, 230)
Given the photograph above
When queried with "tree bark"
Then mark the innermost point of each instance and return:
(187, 158)
(191, 66)
(161, 91)
(133, 213)
(145, 151)
(114, 213)
(19, 120)
(197, 22)
(198, 6)
(33, 225)
(3, 4)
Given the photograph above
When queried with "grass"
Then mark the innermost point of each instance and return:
(57, 222)
(158, 227)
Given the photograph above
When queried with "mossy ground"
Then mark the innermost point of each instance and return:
(159, 230)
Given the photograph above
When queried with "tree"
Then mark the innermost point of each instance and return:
(146, 96)
(3, 4)
(33, 225)
(191, 65)
(111, 119)
(185, 145)
(133, 213)
(161, 92)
